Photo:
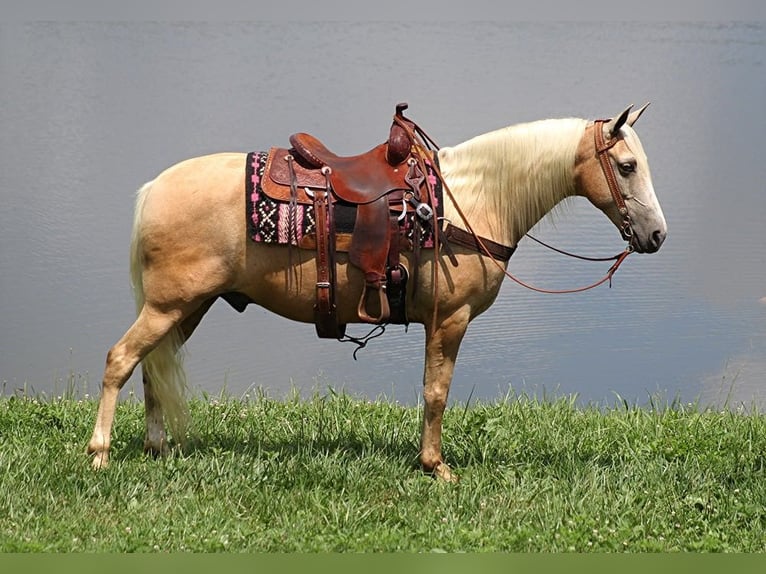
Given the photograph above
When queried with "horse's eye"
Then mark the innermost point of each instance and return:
(628, 167)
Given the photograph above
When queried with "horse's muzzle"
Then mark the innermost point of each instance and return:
(649, 244)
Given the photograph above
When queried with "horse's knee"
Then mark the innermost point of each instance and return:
(435, 404)
(435, 399)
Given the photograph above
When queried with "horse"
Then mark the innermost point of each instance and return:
(189, 247)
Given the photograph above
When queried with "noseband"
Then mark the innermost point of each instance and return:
(606, 166)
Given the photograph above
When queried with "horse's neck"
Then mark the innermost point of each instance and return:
(505, 181)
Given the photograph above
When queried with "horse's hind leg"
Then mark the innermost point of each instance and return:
(155, 441)
(144, 335)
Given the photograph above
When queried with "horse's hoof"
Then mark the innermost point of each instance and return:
(157, 451)
(100, 460)
(443, 472)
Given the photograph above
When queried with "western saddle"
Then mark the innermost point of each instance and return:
(382, 184)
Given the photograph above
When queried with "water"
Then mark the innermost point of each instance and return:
(92, 110)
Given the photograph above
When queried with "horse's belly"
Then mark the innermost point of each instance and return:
(284, 281)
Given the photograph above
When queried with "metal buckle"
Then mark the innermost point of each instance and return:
(424, 211)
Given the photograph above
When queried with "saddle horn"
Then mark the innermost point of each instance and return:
(399, 142)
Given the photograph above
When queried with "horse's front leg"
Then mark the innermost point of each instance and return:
(442, 344)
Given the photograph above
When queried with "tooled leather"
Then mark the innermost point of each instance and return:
(354, 181)
(606, 165)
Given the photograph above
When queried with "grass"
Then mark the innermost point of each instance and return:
(335, 473)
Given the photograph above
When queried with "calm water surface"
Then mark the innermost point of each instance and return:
(89, 111)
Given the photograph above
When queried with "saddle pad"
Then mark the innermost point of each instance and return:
(277, 222)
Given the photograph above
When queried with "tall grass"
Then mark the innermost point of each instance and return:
(335, 473)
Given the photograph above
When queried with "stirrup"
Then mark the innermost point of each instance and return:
(385, 310)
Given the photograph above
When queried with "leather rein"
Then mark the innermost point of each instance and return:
(626, 229)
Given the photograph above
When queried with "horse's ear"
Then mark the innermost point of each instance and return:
(637, 114)
(613, 126)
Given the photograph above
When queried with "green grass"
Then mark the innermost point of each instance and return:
(335, 473)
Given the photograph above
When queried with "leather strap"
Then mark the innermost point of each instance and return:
(467, 239)
(602, 148)
(325, 312)
(396, 279)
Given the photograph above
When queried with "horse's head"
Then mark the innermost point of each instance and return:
(612, 171)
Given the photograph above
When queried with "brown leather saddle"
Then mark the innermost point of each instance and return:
(381, 183)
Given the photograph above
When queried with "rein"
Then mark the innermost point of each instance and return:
(606, 166)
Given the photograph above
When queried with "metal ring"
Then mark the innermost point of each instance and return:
(424, 211)
(404, 211)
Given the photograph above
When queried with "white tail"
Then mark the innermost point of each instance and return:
(164, 365)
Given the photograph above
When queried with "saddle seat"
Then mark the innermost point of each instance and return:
(359, 179)
(363, 178)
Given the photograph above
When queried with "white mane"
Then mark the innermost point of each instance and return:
(505, 181)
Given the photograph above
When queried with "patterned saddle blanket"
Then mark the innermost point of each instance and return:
(273, 220)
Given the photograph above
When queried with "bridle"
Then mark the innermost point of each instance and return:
(602, 149)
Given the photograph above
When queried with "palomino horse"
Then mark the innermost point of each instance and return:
(190, 247)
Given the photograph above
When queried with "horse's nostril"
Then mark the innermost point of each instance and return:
(657, 238)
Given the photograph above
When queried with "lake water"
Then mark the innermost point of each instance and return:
(90, 111)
